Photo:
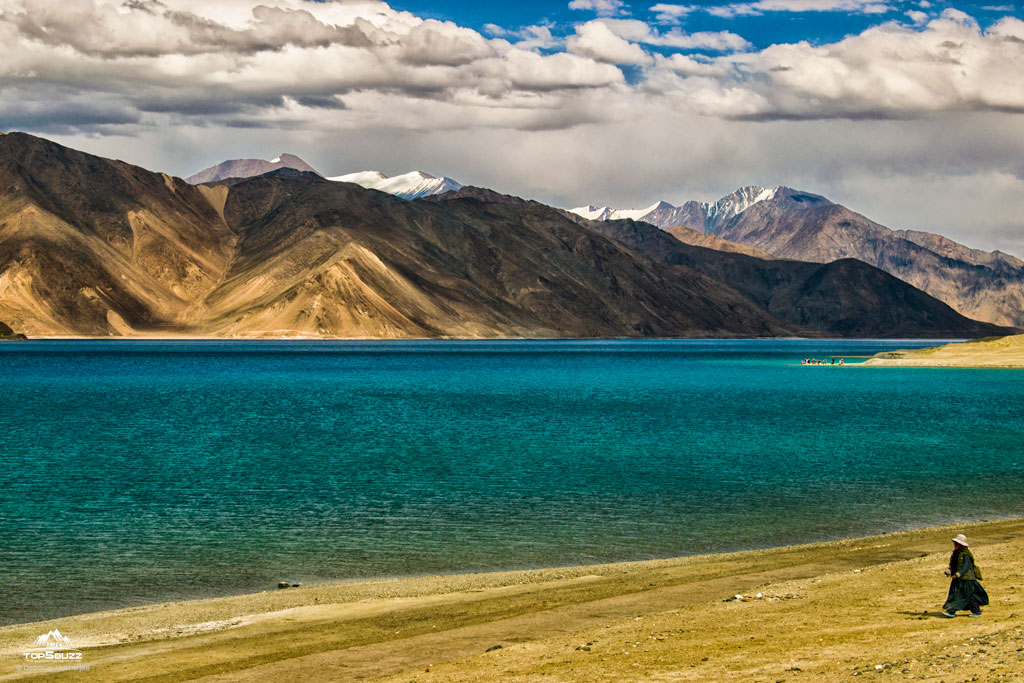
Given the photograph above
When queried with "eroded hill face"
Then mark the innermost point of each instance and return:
(98, 247)
(95, 247)
(332, 258)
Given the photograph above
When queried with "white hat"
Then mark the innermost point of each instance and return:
(961, 539)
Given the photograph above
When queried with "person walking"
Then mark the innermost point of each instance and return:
(965, 590)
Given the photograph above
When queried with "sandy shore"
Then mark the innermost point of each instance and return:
(997, 352)
(826, 611)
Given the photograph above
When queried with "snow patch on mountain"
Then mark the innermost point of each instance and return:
(593, 213)
(735, 203)
(701, 216)
(659, 211)
(407, 186)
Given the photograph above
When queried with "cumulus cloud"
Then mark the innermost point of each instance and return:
(916, 16)
(641, 32)
(596, 40)
(277, 63)
(671, 14)
(238, 61)
(604, 8)
(434, 42)
(890, 71)
(536, 37)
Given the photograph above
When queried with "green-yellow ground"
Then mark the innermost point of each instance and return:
(827, 611)
(996, 352)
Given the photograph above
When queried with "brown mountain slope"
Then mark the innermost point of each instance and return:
(332, 257)
(97, 247)
(805, 227)
(846, 298)
(708, 241)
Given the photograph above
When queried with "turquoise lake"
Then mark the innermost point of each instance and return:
(140, 471)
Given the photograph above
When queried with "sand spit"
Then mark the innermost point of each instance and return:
(826, 611)
(993, 352)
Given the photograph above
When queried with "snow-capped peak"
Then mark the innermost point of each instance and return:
(591, 212)
(736, 203)
(705, 216)
(407, 186)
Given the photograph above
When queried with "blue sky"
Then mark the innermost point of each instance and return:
(910, 112)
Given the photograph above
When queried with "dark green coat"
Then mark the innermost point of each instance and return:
(965, 592)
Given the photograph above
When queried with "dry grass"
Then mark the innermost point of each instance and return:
(995, 352)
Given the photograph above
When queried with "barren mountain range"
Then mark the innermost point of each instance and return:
(799, 225)
(784, 223)
(90, 246)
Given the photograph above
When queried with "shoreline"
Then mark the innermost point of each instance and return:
(288, 338)
(503, 571)
(406, 622)
(995, 353)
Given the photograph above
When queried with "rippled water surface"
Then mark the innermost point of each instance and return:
(142, 471)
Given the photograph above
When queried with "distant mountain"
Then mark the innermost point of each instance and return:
(799, 225)
(845, 298)
(803, 226)
(412, 185)
(248, 168)
(660, 214)
(699, 216)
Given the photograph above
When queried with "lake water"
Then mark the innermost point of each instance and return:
(136, 472)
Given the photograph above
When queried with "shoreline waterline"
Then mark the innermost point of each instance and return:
(511, 570)
(537, 572)
(383, 628)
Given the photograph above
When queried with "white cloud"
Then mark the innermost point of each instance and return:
(671, 14)
(434, 42)
(596, 40)
(286, 63)
(640, 32)
(536, 37)
(917, 17)
(890, 71)
(762, 6)
(604, 8)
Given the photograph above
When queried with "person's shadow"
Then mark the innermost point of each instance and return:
(925, 615)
